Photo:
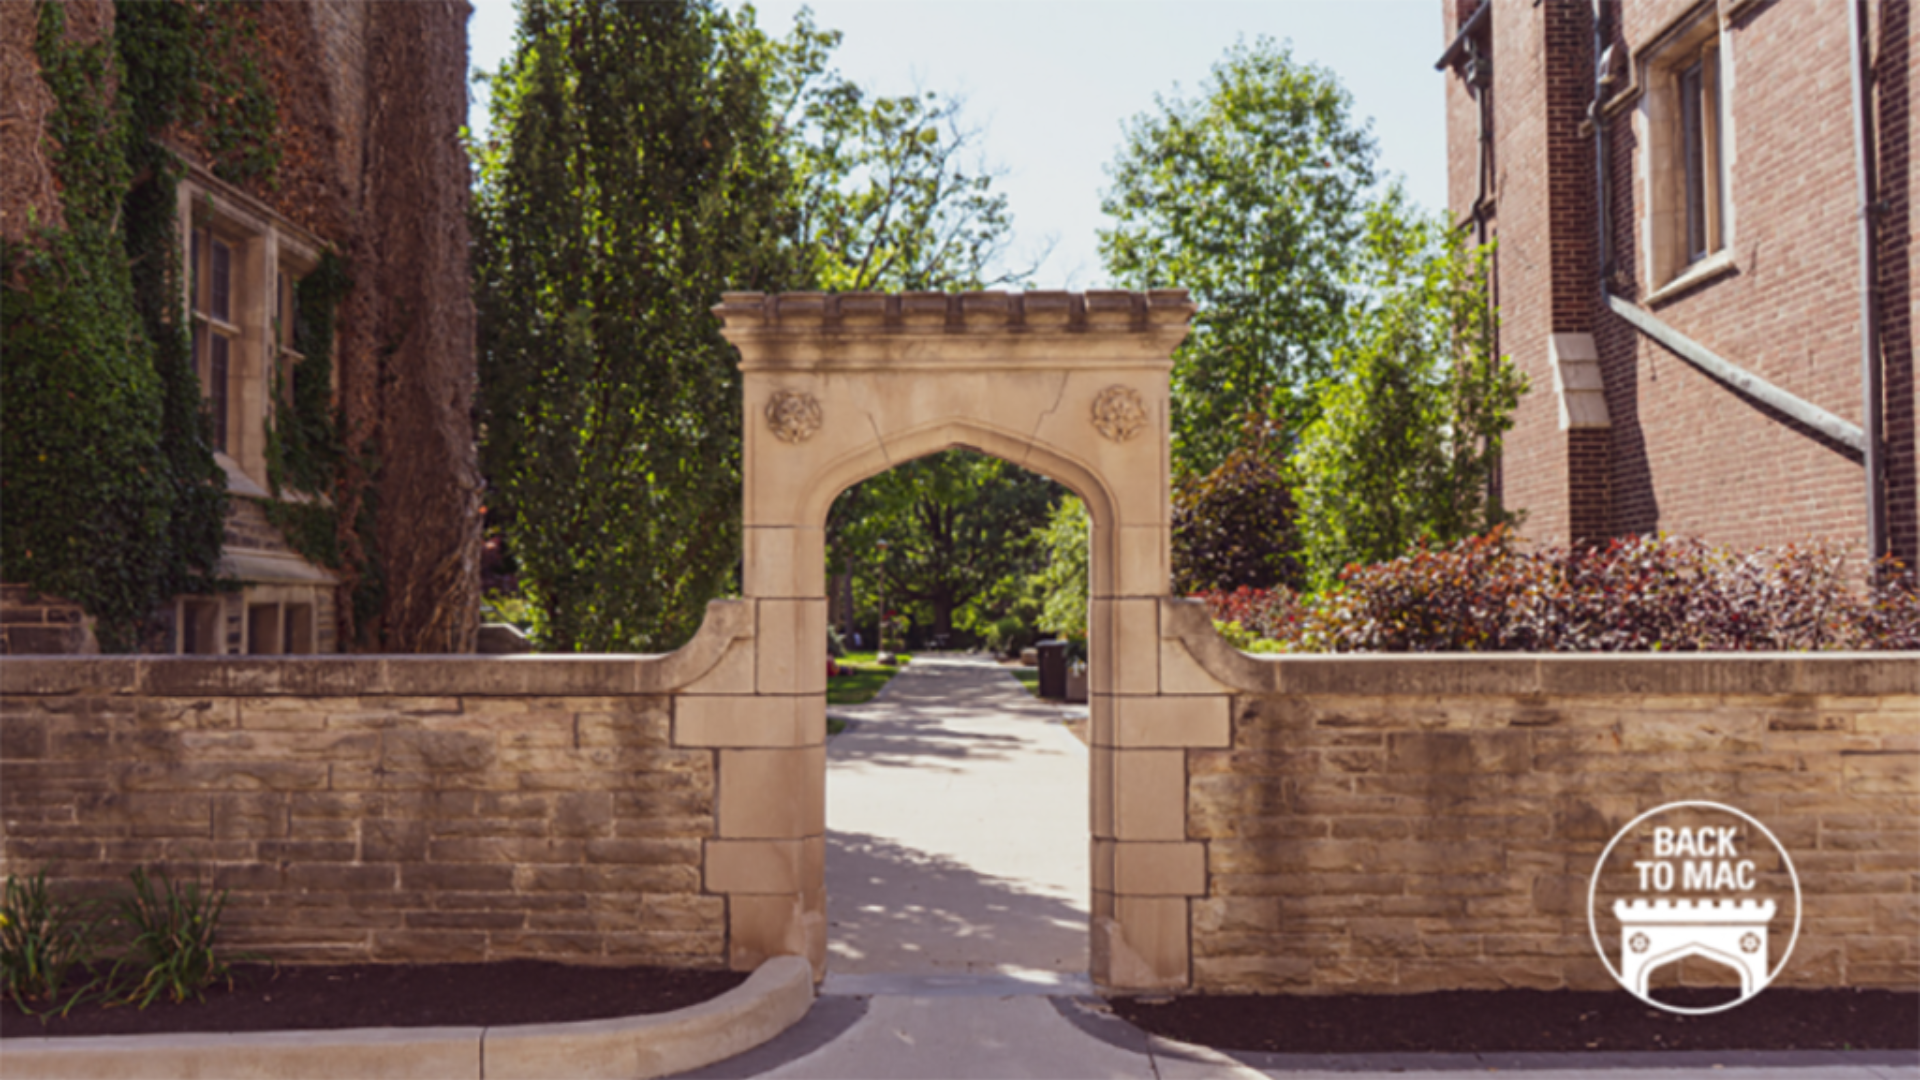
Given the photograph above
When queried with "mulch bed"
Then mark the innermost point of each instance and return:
(291, 998)
(1506, 1021)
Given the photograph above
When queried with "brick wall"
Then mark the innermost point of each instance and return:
(375, 810)
(1534, 469)
(1589, 485)
(1395, 825)
(1686, 455)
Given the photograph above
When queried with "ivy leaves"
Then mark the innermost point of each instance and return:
(113, 499)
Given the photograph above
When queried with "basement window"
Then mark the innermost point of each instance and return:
(202, 629)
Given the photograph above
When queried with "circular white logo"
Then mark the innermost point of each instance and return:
(1692, 880)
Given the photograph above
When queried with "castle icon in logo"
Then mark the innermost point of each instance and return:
(1657, 933)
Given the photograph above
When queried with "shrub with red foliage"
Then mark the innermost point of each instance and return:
(1268, 613)
(1639, 594)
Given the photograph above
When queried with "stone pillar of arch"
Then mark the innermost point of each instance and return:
(838, 388)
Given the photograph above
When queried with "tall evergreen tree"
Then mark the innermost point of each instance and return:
(637, 175)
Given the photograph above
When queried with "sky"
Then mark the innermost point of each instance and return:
(1049, 84)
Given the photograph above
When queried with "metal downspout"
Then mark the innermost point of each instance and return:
(1602, 221)
(1857, 24)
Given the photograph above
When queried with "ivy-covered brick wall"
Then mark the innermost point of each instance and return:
(342, 118)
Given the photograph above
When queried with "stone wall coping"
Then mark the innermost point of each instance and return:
(525, 675)
(986, 331)
(1104, 310)
(1836, 674)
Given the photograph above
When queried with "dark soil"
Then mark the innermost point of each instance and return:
(1504, 1021)
(264, 998)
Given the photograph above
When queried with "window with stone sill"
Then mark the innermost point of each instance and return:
(244, 265)
(1685, 167)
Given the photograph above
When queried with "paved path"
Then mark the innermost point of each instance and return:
(957, 899)
(956, 830)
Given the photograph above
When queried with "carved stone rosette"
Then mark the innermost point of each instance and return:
(1119, 413)
(794, 415)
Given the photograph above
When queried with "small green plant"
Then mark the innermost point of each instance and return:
(861, 676)
(501, 607)
(47, 945)
(173, 927)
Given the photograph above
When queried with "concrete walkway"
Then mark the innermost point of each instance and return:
(957, 882)
(956, 831)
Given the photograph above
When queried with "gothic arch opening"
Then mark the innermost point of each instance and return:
(839, 388)
(957, 801)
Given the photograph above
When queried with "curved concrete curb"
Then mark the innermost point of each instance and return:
(637, 1047)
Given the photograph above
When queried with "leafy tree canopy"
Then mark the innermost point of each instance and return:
(956, 525)
(649, 157)
(888, 194)
(1254, 197)
(1065, 581)
(1407, 437)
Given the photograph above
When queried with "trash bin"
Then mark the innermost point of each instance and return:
(1053, 669)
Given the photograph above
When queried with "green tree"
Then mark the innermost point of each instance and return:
(887, 194)
(1233, 526)
(1252, 196)
(648, 157)
(1408, 434)
(1063, 582)
(956, 525)
(638, 174)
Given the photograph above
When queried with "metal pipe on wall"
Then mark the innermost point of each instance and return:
(1604, 241)
(1870, 384)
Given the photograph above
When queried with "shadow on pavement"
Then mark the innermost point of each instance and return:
(923, 719)
(939, 909)
(920, 744)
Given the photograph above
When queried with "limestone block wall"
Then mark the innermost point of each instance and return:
(1402, 824)
(391, 808)
(838, 388)
(1293, 825)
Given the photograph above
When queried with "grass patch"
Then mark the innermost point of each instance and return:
(835, 725)
(1029, 677)
(860, 678)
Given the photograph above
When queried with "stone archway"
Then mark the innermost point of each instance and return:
(838, 388)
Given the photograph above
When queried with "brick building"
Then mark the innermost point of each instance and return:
(368, 101)
(1681, 259)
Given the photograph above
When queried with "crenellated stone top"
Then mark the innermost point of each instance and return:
(901, 333)
(1097, 311)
